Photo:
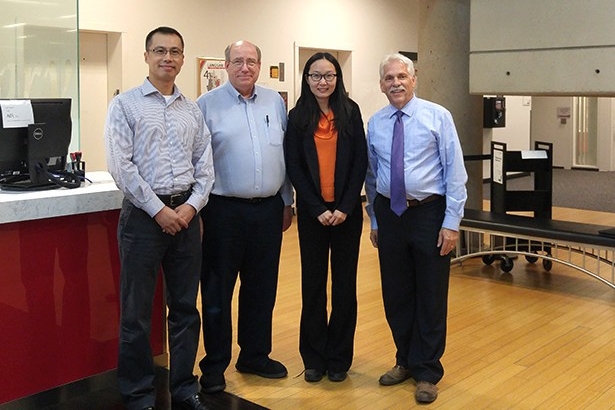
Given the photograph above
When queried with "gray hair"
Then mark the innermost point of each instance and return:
(396, 57)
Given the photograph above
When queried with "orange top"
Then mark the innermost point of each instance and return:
(325, 138)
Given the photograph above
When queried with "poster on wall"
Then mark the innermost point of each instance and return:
(211, 74)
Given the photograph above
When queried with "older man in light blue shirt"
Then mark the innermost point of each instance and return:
(249, 208)
(248, 135)
(415, 202)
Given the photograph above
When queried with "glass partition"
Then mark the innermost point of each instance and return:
(39, 45)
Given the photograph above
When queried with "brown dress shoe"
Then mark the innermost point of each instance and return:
(425, 392)
(394, 376)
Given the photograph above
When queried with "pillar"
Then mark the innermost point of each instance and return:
(443, 70)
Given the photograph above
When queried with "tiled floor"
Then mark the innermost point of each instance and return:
(100, 393)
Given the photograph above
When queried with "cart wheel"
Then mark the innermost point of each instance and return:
(488, 259)
(531, 259)
(506, 264)
(547, 264)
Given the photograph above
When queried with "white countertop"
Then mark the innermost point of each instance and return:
(99, 195)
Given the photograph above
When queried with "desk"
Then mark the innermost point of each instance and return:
(59, 284)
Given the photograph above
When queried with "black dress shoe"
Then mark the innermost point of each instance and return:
(312, 375)
(337, 376)
(269, 369)
(191, 403)
(150, 408)
(212, 383)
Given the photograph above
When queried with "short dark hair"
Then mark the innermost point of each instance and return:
(162, 30)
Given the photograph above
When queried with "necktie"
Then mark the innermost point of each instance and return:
(398, 185)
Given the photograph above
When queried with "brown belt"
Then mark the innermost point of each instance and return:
(416, 202)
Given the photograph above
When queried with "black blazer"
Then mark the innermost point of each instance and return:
(350, 165)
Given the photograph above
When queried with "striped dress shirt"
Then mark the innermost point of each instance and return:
(158, 145)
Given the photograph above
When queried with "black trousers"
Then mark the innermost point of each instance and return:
(144, 248)
(327, 343)
(239, 239)
(414, 284)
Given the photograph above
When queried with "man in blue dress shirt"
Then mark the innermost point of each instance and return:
(249, 208)
(414, 242)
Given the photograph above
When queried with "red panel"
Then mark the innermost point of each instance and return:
(59, 308)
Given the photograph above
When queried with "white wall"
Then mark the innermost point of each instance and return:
(547, 127)
(368, 28)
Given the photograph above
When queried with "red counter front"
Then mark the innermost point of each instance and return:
(59, 302)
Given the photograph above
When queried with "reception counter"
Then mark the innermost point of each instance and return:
(96, 195)
(59, 279)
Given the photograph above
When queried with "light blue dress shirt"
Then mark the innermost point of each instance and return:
(433, 160)
(157, 145)
(247, 142)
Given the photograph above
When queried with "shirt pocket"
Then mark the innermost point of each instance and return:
(275, 135)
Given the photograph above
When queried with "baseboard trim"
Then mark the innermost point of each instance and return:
(593, 169)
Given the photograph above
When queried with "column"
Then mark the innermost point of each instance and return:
(444, 76)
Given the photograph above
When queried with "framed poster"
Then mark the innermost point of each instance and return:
(273, 71)
(211, 74)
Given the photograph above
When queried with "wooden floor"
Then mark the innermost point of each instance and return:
(524, 340)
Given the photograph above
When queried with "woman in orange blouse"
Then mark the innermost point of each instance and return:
(326, 160)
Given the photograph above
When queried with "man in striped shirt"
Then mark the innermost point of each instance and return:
(159, 154)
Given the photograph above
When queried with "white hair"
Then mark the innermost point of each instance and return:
(396, 57)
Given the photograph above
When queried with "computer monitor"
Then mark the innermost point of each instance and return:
(43, 145)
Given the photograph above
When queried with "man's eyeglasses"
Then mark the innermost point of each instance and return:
(239, 62)
(173, 52)
(317, 77)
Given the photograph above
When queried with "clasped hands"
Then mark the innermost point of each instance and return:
(329, 218)
(174, 220)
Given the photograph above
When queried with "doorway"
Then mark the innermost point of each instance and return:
(302, 54)
(100, 78)
(93, 98)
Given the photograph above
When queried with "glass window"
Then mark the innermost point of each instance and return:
(39, 45)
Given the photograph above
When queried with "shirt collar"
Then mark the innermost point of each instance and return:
(407, 109)
(148, 88)
(232, 91)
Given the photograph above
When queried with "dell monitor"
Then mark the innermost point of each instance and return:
(31, 152)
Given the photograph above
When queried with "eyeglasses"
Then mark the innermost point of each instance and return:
(239, 62)
(173, 52)
(317, 77)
